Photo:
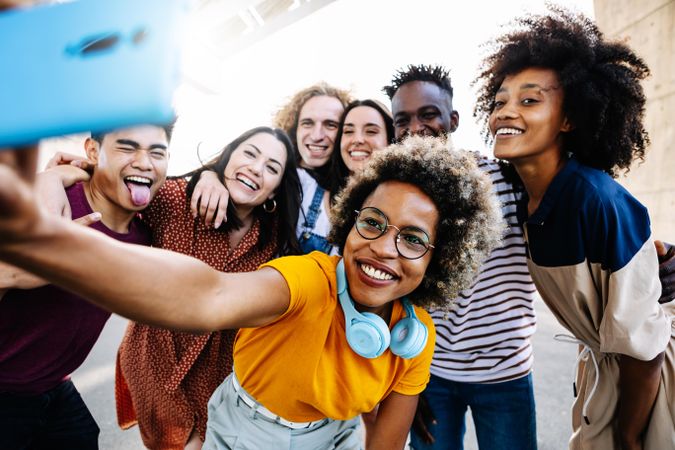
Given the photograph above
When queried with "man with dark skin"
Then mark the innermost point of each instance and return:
(423, 108)
(483, 355)
(501, 400)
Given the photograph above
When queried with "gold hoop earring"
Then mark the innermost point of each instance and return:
(270, 209)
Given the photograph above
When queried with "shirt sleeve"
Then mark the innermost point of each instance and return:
(308, 279)
(417, 376)
(626, 273)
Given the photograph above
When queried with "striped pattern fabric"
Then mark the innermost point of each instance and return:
(486, 338)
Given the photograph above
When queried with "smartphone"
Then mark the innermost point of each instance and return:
(87, 65)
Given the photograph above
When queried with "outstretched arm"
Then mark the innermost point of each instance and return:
(49, 188)
(147, 285)
(14, 278)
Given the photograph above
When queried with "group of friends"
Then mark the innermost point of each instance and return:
(347, 278)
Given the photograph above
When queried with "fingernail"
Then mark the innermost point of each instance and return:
(96, 216)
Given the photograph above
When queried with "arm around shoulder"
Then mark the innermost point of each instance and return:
(50, 188)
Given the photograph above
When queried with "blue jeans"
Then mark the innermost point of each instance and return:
(503, 414)
(56, 419)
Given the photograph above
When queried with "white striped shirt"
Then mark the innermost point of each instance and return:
(486, 338)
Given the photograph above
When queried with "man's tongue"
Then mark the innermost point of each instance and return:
(140, 194)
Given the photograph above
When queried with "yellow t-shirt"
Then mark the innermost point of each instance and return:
(301, 366)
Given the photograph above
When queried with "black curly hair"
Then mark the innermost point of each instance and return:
(438, 75)
(603, 98)
(471, 222)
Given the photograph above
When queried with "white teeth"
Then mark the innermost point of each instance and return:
(248, 183)
(511, 131)
(376, 273)
(359, 154)
(317, 148)
(136, 179)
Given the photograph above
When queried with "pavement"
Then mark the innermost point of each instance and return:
(553, 371)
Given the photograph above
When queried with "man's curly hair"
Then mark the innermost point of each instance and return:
(603, 98)
(471, 222)
(438, 75)
(287, 117)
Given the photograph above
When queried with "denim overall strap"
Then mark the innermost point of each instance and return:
(314, 208)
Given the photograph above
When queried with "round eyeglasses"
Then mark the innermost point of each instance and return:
(411, 242)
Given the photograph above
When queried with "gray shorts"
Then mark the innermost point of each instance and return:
(233, 424)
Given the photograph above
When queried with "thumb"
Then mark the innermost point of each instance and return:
(660, 248)
(89, 219)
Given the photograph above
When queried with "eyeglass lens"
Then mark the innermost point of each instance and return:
(411, 242)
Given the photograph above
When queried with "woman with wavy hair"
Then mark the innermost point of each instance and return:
(321, 338)
(565, 107)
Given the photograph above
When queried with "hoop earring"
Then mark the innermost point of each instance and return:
(270, 209)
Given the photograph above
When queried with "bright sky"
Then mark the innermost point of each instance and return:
(354, 44)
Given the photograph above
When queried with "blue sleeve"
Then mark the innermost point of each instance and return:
(616, 227)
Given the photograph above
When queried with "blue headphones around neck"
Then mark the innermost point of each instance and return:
(368, 334)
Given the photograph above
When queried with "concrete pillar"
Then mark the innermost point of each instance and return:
(648, 26)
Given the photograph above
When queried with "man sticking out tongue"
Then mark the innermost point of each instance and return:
(47, 332)
(129, 167)
(140, 190)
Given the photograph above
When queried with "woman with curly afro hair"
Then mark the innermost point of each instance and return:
(322, 338)
(565, 107)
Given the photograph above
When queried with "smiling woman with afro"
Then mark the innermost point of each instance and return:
(565, 107)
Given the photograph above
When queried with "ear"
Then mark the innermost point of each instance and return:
(454, 121)
(272, 195)
(566, 125)
(91, 148)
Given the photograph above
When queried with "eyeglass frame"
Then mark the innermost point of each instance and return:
(427, 246)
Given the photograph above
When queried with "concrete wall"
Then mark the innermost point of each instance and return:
(648, 26)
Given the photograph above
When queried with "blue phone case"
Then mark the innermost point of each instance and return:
(89, 65)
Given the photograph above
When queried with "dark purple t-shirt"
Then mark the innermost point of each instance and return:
(46, 333)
